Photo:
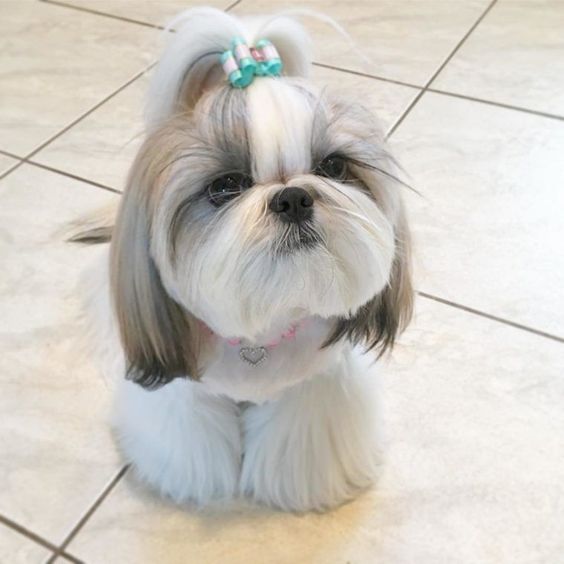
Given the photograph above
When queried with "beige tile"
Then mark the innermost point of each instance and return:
(155, 12)
(515, 56)
(17, 549)
(57, 452)
(62, 559)
(102, 146)
(6, 163)
(474, 469)
(405, 40)
(56, 63)
(489, 225)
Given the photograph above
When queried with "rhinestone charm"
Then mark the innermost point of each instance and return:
(253, 355)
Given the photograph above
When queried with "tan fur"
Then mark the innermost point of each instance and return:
(159, 338)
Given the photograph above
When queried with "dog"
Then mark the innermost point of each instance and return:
(258, 264)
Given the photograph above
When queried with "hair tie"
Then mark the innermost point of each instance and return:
(242, 63)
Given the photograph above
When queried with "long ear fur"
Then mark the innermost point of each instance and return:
(381, 320)
(156, 334)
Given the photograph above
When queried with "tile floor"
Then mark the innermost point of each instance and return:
(471, 93)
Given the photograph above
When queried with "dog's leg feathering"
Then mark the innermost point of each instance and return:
(316, 446)
(183, 442)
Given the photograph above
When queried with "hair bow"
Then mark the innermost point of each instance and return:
(242, 63)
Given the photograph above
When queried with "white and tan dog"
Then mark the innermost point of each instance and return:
(261, 241)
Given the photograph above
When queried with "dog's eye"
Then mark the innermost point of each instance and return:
(228, 187)
(332, 166)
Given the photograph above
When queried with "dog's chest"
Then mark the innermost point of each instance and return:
(258, 372)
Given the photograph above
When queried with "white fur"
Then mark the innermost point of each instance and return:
(315, 446)
(184, 442)
(308, 444)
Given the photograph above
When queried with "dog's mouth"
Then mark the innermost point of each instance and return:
(298, 237)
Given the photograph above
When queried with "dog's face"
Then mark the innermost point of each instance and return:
(260, 206)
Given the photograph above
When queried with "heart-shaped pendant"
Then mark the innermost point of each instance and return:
(253, 355)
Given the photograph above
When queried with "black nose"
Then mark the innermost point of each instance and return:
(293, 205)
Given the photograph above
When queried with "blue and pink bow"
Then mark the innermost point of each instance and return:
(242, 63)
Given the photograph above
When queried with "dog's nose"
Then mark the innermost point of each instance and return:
(292, 205)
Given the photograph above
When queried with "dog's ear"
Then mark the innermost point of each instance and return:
(382, 319)
(157, 335)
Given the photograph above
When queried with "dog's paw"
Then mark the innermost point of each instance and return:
(313, 449)
(184, 444)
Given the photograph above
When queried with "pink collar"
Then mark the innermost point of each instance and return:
(288, 335)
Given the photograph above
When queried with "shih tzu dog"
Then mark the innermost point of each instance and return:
(259, 250)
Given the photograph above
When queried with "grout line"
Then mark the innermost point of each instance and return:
(78, 119)
(74, 176)
(88, 112)
(11, 167)
(497, 104)
(367, 75)
(405, 113)
(104, 14)
(493, 317)
(116, 17)
(37, 539)
(11, 155)
(441, 67)
(231, 6)
(27, 533)
(445, 92)
(67, 558)
(461, 43)
(83, 520)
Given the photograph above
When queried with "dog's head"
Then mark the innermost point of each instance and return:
(250, 206)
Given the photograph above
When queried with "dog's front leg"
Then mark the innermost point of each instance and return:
(182, 441)
(316, 445)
